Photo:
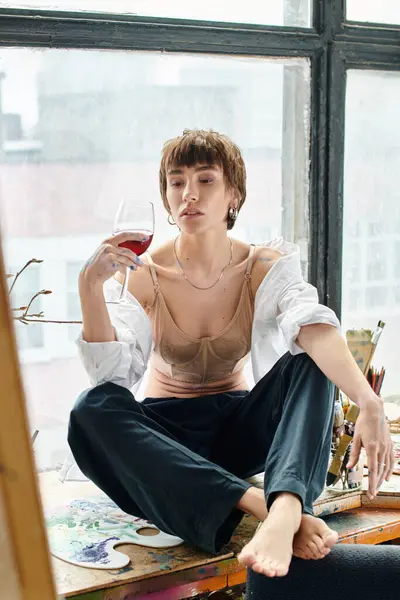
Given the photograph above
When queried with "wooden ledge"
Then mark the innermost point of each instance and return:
(186, 572)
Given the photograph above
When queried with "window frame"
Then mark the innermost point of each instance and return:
(332, 44)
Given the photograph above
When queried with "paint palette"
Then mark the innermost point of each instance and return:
(85, 531)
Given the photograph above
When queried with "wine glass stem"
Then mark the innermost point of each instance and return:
(125, 285)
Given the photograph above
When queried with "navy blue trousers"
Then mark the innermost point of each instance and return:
(182, 463)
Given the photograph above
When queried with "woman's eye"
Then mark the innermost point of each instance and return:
(176, 183)
(208, 180)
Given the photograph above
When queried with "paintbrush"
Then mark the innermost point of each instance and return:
(335, 467)
(376, 334)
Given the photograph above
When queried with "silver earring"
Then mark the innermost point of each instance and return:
(171, 222)
(233, 213)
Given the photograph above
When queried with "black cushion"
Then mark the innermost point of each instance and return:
(349, 572)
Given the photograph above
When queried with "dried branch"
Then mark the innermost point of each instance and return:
(25, 318)
(41, 293)
(33, 260)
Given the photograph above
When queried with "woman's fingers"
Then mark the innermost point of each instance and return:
(119, 261)
(390, 463)
(372, 457)
(125, 252)
(382, 469)
(110, 257)
(385, 459)
(355, 452)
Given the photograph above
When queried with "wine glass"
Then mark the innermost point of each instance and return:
(134, 217)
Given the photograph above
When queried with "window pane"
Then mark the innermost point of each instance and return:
(377, 259)
(376, 296)
(353, 263)
(83, 129)
(274, 12)
(73, 302)
(387, 11)
(396, 265)
(372, 213)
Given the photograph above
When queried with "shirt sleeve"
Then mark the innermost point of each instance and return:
(125, 360)
(296, 301)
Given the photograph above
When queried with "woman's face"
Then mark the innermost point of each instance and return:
(198, 197)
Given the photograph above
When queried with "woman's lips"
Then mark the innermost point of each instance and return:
(191, 216)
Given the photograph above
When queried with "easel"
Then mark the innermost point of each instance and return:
(25, 572)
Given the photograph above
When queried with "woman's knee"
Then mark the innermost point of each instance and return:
(97, 400)
(305, 373)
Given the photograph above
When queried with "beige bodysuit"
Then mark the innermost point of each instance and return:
(181, 361)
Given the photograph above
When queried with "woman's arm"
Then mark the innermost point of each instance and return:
(96, 322)
(327, 348)
(122, 360)
(113, 348)
(107, 260)
(309, 326)
(329, 351)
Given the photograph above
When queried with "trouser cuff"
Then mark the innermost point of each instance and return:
(215, 528)
(289, 484)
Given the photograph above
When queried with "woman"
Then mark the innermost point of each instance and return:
(198, 306)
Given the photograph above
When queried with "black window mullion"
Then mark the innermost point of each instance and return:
(318, 173)
(334, 187)
(328, 16)
(368, 55)
(139, 33)
(328, 19)
(369, 33)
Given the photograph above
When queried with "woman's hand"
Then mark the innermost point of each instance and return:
(329, 351)
(372, 432)
(109, 258)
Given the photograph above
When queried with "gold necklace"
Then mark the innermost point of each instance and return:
(184, 274)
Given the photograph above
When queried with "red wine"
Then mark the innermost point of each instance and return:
(137, 246)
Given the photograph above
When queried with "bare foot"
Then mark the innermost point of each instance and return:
(314, 539)
(270, 550)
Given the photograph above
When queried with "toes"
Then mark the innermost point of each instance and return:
(330, 538)
(303, 554)
(247, 558)
(264, 567)
(282, 570)
(316, 554)
(270, 568)
(319, 542)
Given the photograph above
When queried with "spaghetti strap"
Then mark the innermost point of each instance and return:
(250, 261)
(153, 272)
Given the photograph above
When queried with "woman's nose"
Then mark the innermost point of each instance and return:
(190, 194)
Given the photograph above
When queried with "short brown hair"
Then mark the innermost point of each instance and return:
(208, 147)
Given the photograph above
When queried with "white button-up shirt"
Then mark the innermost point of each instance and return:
(284, 303)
